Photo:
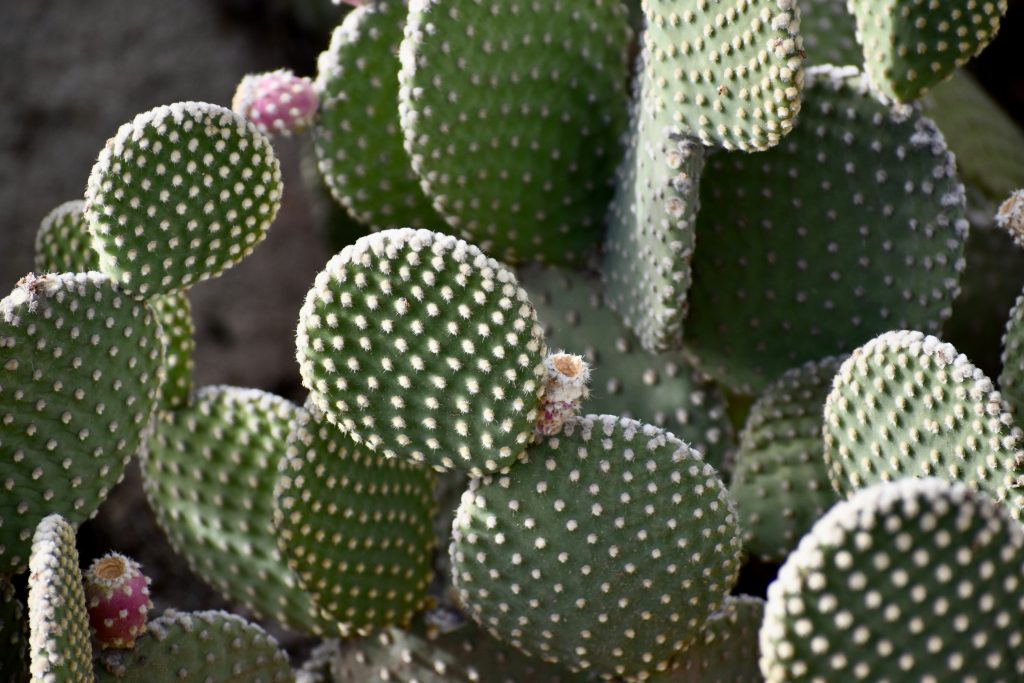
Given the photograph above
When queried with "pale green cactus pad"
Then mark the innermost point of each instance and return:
(79, 366)
(909, 46)
(727, 651)
(358, 141)
(1011, 379)
(914, 580)
(851, 227)
(780, 481)
(197, 647)
(63, 242)
(59, 645)
(512, 114)
(179, 194)
(908, 405)
(354, 526)
(829, 32)
(209, 475)
(419, 346)
(604, 551)
(174, 311)
(662, 390)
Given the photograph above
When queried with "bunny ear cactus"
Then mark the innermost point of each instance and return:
(727, 651)
(63, 242)
(829, 33)
(276, 102)
(1011, 379)
(13, 632)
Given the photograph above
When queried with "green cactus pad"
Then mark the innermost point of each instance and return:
(852, 227)
(605, 550)
(910, 45)
(418, 345)
(829, 32)
(727, 651)
(726, 71)
(179, 194)
(512, 114)
(916, 580)
(908, 405)
(357, 137)
(58, 622)
(79, 364)
(662, 390)
(63, 242)
(1011, 380)
(13, 635)
(780, 482)
(354, 526)
(174, 311)
(209, 476)
(197, 647)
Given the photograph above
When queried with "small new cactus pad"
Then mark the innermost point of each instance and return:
(662, 390)
(417, 345)
(512, 114)
(63, 242)
(908, 405)
(914, 580)
(726, 71)
(852, 227)
(354, 526)
(59, 644)
(568, 376)
(780, 481)
(1011, 379)
(117, 597)
(197, 647)
(605, 550)
(79, 364)
(276, 102)
(910, 45)
(727, 651)
(357, 137)
(209, 475)
(179, 194)
(1010, 216)
(829, 32)
(13, 635)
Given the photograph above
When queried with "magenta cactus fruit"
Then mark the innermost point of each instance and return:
(276, 102)
(117, 594)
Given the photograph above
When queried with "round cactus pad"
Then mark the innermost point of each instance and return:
(605, 550)
(63, 242)
(727, 651)
(79, 365)
(853, 226)
(179, 194)
(418, 345)
(914, 580)
(512, 114)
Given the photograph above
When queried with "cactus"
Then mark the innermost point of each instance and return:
(63, 242)
(1011, 379)
(13, 632)
(276, 102)
(829, 32)
(728, 649)
(117, 596)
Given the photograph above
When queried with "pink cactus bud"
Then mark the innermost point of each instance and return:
(117, 593)
(566, 387)
(276, 102)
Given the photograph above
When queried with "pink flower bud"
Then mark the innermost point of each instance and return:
(276, 102)
(117, 594)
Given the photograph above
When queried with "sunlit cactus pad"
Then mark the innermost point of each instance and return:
(79, 363)
(63, 242)
(780, 481)
(179, 194)
(910, 46)
(417, 345)
(512, 114)
(853, 226)
(727, 651)
(908, 405)
(605, 550)
(59, 645)
(355, 526)
(209, 474)
(916, 580)
(662, 390)
(198, 647)
(358, 141)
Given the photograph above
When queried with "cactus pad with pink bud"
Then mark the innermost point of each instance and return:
(276, 102)
(117, 595)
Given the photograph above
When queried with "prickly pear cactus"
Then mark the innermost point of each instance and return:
(605, 550)
(13, 635)
(179, 194)
(419, 346)
(727, 651)
(276, 102)
(917, 579)
(512, 126)
(829, 33)
(63, 242)
(117, 596)
(79, 364)
(1011, 379)
(58, 623)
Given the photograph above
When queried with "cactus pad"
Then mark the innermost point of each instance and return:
(728, 650)
(908, 405)
(63, 242)
(512, 113)
(79, 361)
(354, 526)
(780, 482)
(851, 227)
(829, 32)
(916, 580)
(909, 46)
(179, 194)
(13, 635)
(209, 475)
(418, 345)
(177, 331)
(58, 623)
(605, 550)
(1011, 379)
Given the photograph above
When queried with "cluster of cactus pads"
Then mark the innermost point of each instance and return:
(648, 294)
